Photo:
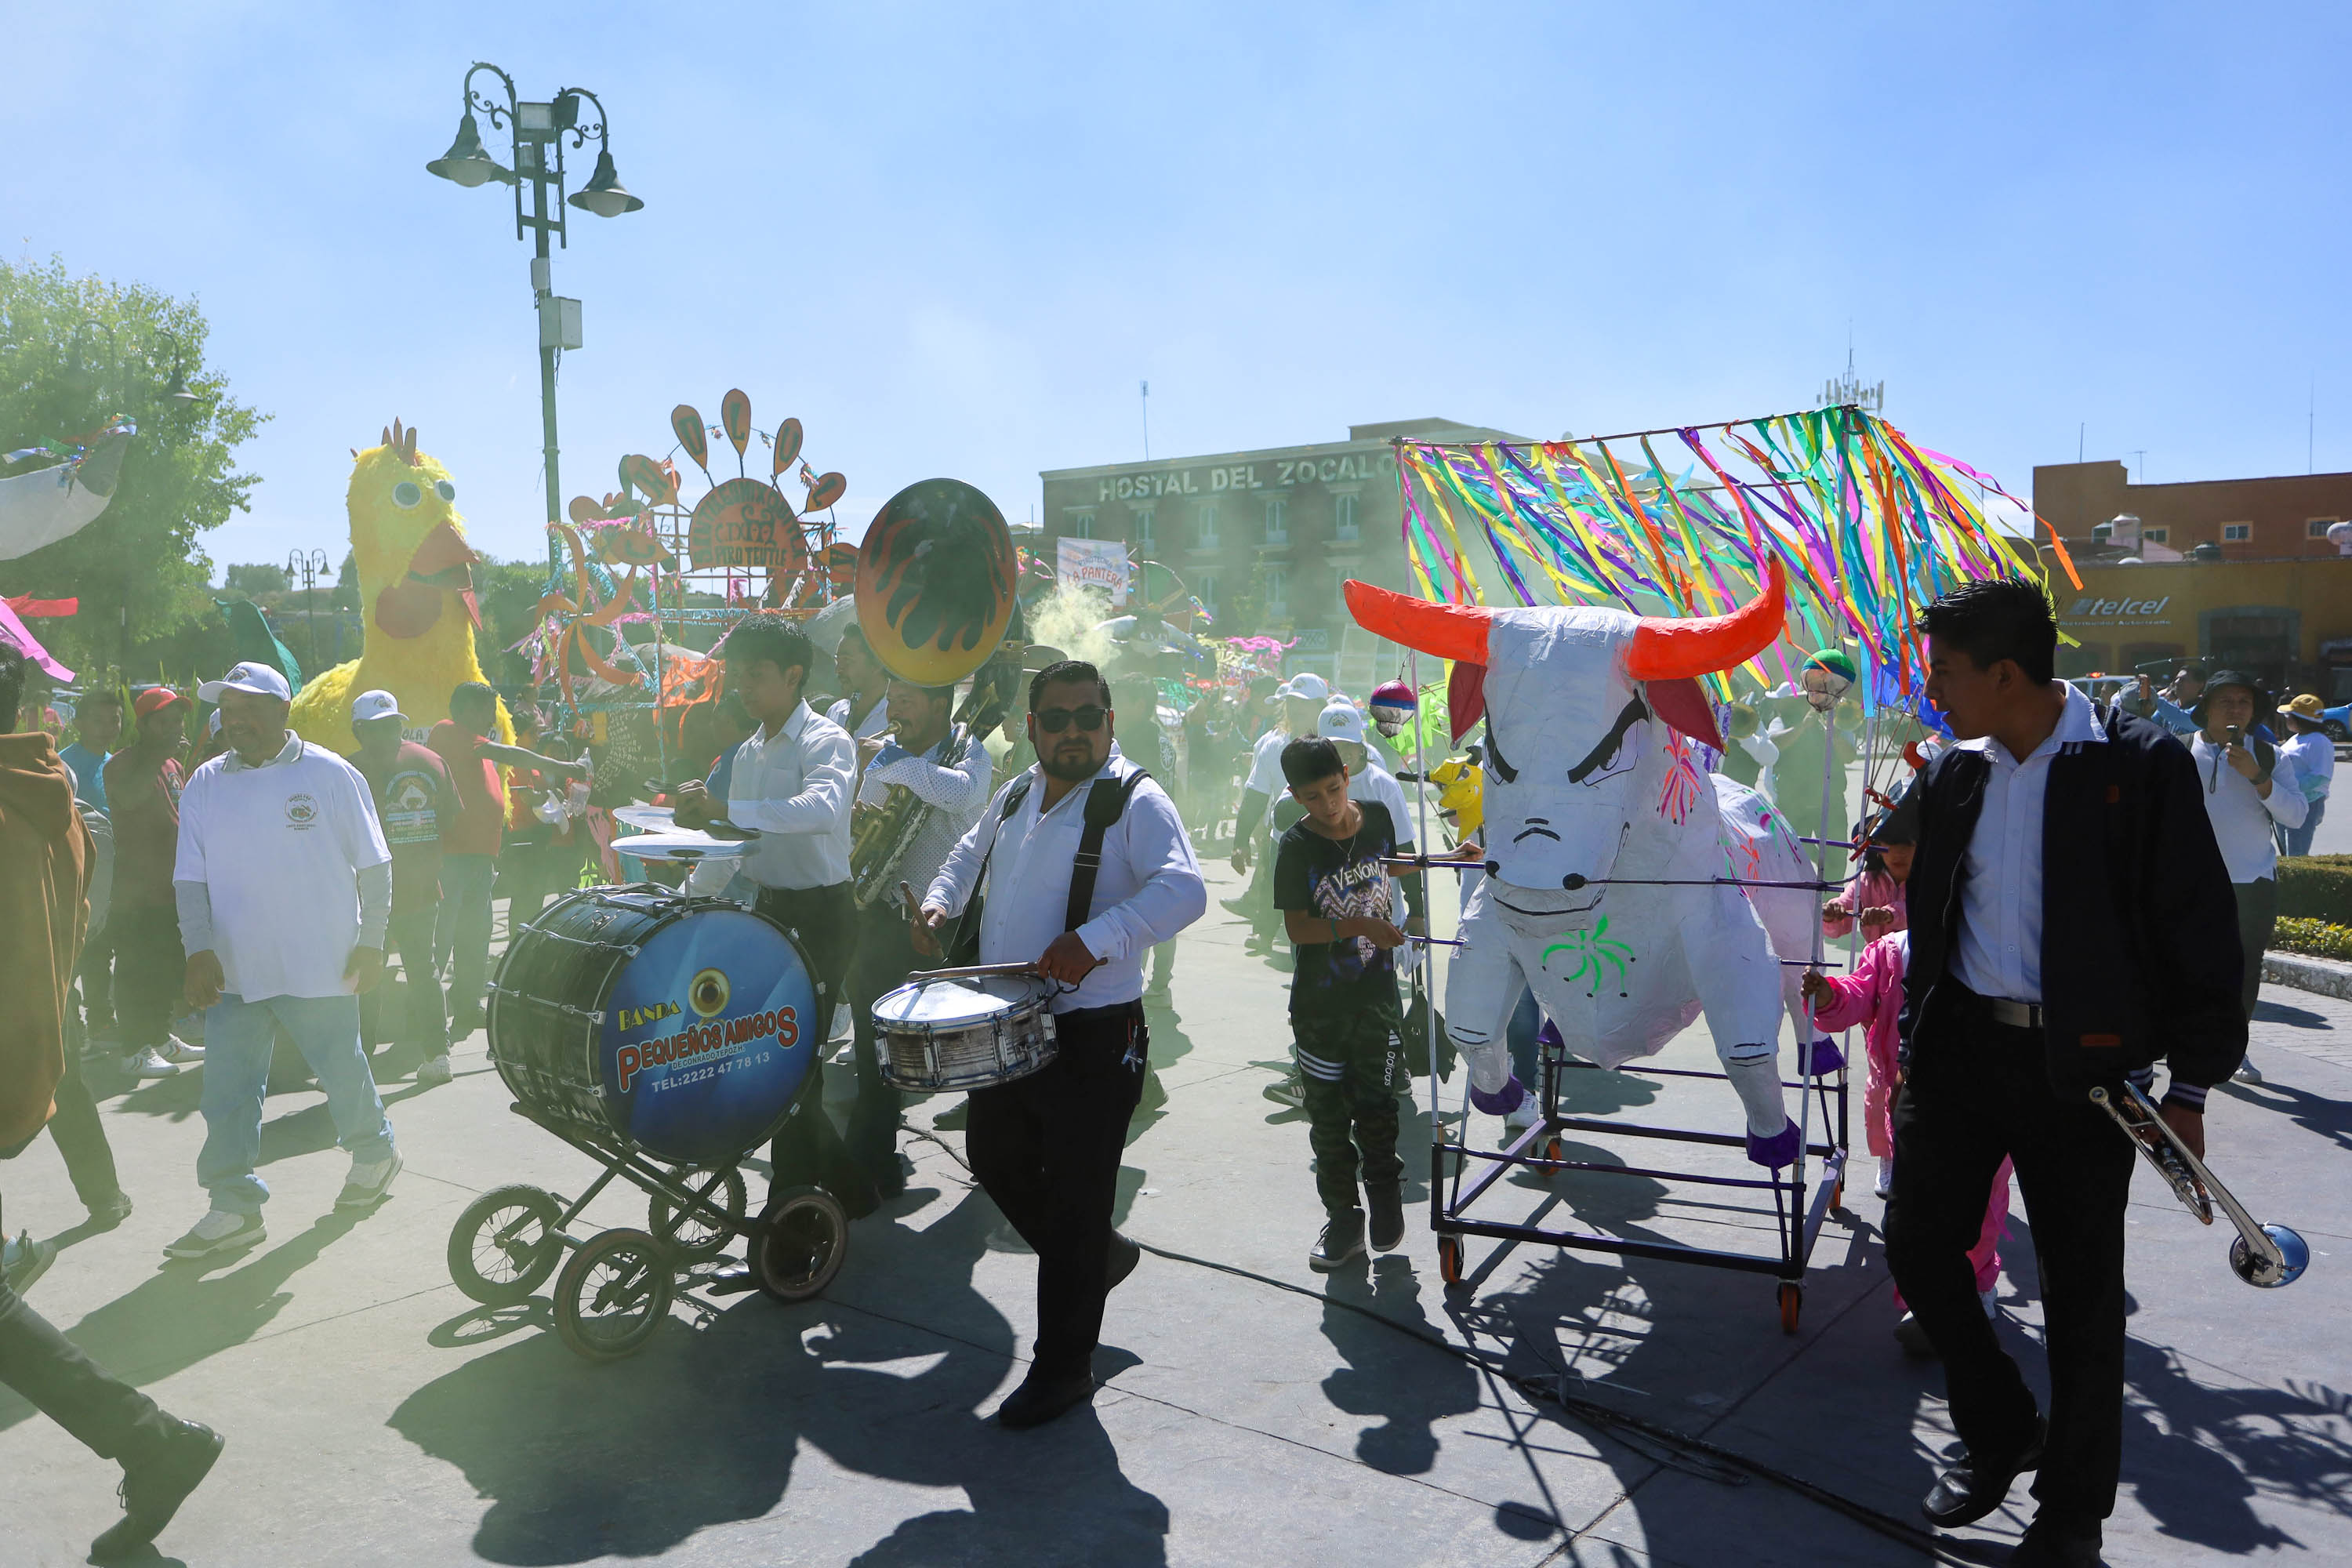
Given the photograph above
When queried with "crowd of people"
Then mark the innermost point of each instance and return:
(256, 895)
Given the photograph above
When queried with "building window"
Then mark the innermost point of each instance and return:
(1143, 527)
(1343, 514)
(2155, 535)
(2233, 532)
(1277, 593)
(1204, 526)
(2318, 527)
(1204, 588)
(1082, 525)
(1277, 520)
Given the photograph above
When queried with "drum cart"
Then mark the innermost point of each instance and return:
(613, 1288)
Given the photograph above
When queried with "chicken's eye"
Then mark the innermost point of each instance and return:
(405, 494)
(445, 490)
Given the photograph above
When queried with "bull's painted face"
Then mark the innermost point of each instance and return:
(1565, 733)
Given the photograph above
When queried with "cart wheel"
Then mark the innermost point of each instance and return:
(689, 1234)
(611, 1295)
(799, 1244)
(1792, 1302)
(1551, 1148)
(504, 1245)
(1449, 1259)
(1837, 1195)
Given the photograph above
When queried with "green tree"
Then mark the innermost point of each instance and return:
(255, 578)
(75, 352)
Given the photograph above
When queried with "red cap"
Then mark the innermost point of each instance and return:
(155, 699)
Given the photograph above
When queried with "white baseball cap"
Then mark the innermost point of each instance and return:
(1305, 687)
(369, 705)
(1340, 721)
(255, 680)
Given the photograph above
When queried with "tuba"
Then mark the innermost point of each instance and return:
(879, 840)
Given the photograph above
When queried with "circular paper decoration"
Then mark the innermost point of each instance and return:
(742, 523)
(935, 582)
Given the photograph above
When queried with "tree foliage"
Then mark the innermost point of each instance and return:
(74, 353)
(255, 578)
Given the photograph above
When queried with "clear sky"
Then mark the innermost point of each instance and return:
(953, 239)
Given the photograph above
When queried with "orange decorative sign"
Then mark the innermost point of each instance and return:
(742, 523)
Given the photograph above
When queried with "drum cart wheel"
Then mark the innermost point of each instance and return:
(1552, 1147)
(1793, 1303)
(799, 1243)
(506, 1244)
(611, 1295)
(1449, 1259)
(691, 1235)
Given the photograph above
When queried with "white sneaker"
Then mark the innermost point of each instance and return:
(178, 1050)
(219, 1231)
(24, 1260)
(148, 1063)
(1523, 1115)
(433, 1071)
(2248, 1072)
(1989, 1298)
(368, 1182)
(844, 1024)
(1883, 1185)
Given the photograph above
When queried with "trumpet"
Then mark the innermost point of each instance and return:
(2268, 1256)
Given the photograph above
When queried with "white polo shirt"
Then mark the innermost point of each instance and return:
(278, 849)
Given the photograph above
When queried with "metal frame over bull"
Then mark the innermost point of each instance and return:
(1631, 891)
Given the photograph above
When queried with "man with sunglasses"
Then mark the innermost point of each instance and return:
(1047, 1147)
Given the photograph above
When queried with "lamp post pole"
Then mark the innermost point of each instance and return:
(309, 568)
(537, 132)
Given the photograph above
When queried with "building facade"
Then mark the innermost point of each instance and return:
(1264, 539)
(2281, 518)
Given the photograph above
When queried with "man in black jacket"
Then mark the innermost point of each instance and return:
(2046, 818)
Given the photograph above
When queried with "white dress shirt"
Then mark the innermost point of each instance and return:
(2315, 762)
(956, 792)
(1148, 889)
(792, 787)
(877, 720)
(1998, 949)
(2242, 815)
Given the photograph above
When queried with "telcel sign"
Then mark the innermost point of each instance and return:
(2088, 608)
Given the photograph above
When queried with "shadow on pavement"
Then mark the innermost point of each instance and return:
(2330, 1118)
(701, 1430)
(1407, 1387)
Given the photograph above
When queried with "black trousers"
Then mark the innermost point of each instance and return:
(151, 972)
(425, 1021)
(1046, 1148)
(2257, 921)
(808, 1152)
(97, 980)
(81, 1138)
(109, 1415)
(885, 956)
(1969, 1097)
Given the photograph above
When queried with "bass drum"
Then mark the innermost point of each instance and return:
(684, 1026)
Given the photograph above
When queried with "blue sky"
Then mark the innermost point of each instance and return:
(953, 239)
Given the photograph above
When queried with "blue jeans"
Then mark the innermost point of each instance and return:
(238, 1036)
(462, 937)
(2297, 840)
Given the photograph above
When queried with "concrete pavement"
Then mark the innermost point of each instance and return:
(375, 1415)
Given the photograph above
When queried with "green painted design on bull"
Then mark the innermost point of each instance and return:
(1594, 951)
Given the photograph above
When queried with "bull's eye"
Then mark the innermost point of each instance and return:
(445, 490)
(405, 494)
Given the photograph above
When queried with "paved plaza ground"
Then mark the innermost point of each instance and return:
(374, 1416)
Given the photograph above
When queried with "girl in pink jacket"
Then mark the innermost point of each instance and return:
(1872, 996)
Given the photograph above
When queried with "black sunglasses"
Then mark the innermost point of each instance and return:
(1054, 720)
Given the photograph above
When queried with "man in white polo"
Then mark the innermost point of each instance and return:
(1301, 700)
(284, 888)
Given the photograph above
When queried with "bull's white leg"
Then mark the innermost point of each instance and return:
(1482, 988)
(1740, 986)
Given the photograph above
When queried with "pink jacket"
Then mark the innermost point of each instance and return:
(1871, 997)
(1872, 890)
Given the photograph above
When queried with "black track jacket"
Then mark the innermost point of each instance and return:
(2140, 958)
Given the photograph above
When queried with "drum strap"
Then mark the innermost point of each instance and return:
(1105, 803)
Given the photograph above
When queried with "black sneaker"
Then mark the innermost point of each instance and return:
(1386, 1207)
(154, 1486)
(1342, 1239)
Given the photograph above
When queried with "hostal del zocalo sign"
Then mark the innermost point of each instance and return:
(1274, 474)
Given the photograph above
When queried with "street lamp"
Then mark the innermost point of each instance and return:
(309, 568)
(536, 135)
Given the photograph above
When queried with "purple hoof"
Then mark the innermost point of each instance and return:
(1779, 1150)
(1503, 1101)
(1827, 1057)
(1548, 1035)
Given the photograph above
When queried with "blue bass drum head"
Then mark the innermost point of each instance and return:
(709, 1034)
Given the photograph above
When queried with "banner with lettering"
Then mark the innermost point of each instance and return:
(1098, 563)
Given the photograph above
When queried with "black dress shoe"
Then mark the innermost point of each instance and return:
(156, 1484)
(2058, 1543)
(1972, 1489)
(1124, 1256)
(1041, 1396)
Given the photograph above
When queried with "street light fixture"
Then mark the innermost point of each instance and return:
(536, 132)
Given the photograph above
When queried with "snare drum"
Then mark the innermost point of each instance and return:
(684, 1026)
(950, 1035)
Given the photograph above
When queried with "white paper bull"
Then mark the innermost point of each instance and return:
(1611, 857)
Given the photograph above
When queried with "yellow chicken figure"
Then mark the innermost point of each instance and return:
(1462, 796)
(416, 597)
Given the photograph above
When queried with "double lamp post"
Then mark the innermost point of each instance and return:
(536, 158)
